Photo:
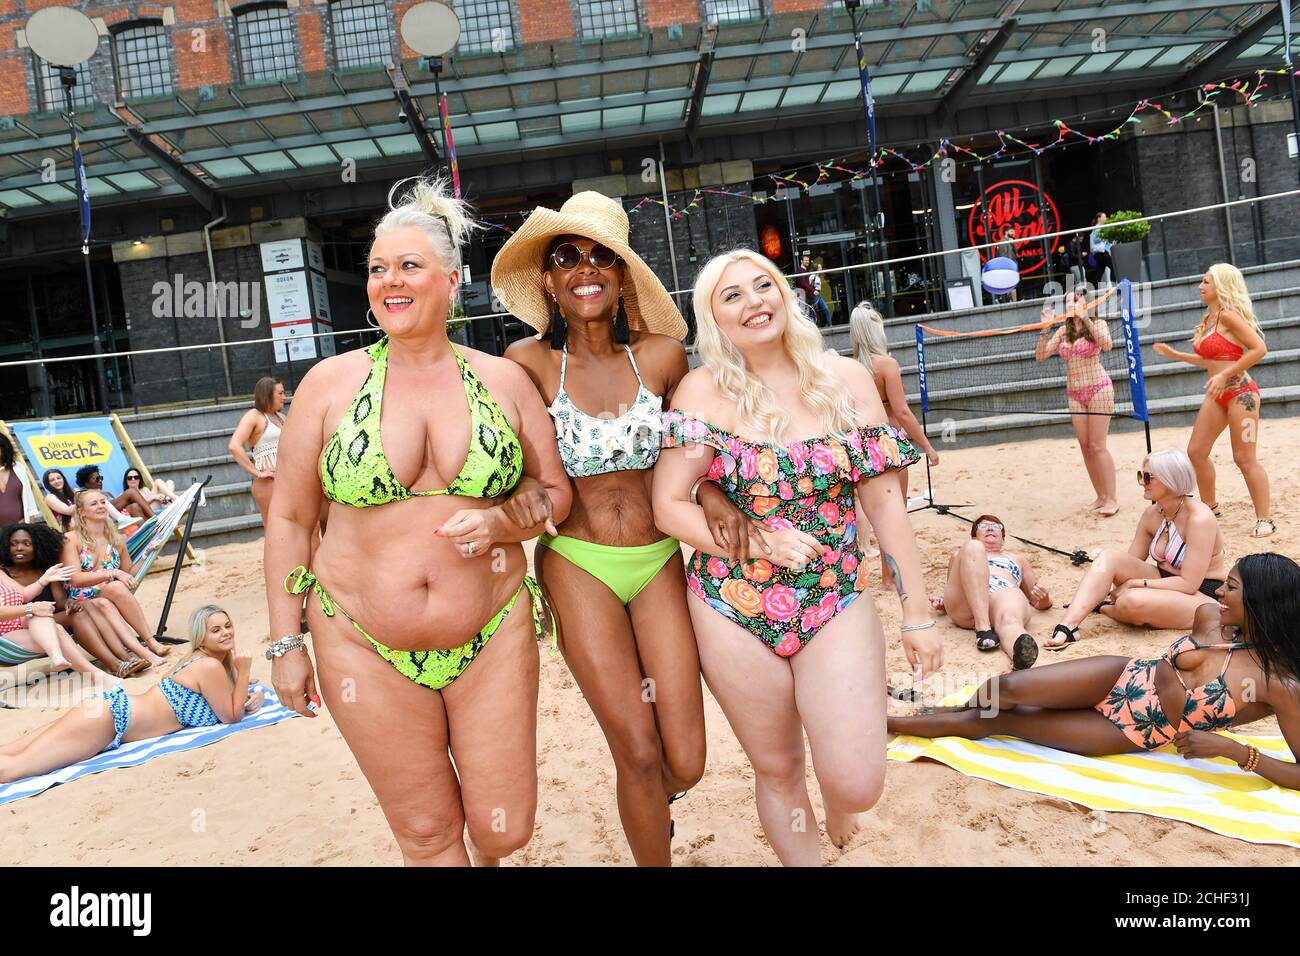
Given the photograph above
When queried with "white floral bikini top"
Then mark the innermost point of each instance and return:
(595, 445)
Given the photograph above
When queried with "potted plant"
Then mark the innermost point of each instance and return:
(1126, 238)
(458, 325)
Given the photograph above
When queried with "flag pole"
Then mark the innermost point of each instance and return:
(869, 109)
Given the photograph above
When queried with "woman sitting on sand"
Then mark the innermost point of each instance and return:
(766, 381)
(1080, 342)
(28, 553)
(96, 549)
(213, 690)
(990, 590)
(1240, 664)
(426, 648)
(1174, 565)
(27, 628)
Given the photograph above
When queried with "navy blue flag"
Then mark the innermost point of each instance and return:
(83, 191)
(868, 104)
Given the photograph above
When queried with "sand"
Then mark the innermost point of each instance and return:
(291, 793)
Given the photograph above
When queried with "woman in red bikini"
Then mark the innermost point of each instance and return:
(1227, 343)
(1241, 663)
(1080, 342)
(766, 382)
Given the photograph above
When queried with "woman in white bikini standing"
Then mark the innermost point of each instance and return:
(260, 428)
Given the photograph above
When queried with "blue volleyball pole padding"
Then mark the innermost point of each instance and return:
(920, 368)
(1133, 350)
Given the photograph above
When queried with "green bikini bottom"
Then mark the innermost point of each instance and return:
(625, 571)
(435, 669)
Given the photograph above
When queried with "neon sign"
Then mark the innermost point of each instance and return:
(1017, 203)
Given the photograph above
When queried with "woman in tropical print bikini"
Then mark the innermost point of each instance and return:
(737, 421)
(1241, 663)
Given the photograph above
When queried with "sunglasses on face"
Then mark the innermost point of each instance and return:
(1145, 477)
(132, 477)
(568, 257)
(988, 526)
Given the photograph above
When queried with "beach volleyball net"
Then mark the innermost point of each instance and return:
(1036, 369)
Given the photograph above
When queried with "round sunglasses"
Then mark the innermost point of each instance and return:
(568, 257)
(987, 526)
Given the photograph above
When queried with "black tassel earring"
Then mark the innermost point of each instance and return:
(559, 330)
(622, 332)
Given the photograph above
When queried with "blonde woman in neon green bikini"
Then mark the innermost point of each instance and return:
(608, 353)
(421, 615)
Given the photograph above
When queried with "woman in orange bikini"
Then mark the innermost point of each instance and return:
(1241, 663)
(1080, 342)
(1227, 343)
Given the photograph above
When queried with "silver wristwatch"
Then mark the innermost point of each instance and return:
(284, 645)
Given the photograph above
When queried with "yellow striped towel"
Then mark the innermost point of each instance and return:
(1214, 794)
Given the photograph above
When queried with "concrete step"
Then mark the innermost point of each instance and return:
(210, 533)
(1181, 411)
(228, 500)
(163, 449)
(222, 468)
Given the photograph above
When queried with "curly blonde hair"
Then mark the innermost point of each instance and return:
(821, 389)
(1230, 287)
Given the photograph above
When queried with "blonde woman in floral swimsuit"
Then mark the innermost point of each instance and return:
(739, 422)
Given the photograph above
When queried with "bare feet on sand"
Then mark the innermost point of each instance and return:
(841, 827)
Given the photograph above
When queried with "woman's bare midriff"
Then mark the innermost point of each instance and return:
(613, 509)
(410, 589)
(151, 716)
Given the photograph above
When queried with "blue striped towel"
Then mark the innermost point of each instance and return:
(137, 752)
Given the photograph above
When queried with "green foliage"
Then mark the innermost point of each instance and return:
(1118, 228)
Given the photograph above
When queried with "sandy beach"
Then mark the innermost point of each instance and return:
(291, 793)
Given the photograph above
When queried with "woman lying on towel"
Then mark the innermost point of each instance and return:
(1241, 663)
(209, 687)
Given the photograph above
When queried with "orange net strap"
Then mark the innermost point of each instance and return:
(1031, 327)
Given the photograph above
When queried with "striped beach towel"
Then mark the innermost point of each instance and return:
(1214, 794)
(137, 752)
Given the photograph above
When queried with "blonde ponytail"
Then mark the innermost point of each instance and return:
(430, 206)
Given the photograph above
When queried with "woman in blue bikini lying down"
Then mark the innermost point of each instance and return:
(740, 421)
(209, 687)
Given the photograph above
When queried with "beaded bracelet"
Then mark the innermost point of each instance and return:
(1252, 759)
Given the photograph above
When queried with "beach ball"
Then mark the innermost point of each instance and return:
(1001, 275)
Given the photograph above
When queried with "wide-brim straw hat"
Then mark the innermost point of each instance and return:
(517, 269)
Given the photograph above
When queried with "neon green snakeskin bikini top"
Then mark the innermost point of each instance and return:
(354, 469)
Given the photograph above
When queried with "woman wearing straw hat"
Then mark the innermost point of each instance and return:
(610, 339)
(425, 647)
(784, 643)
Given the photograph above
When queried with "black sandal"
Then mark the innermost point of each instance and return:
(1071, 635)
(1024, 653)
(987, 641)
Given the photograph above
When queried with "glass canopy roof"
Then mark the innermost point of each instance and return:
(562, 93)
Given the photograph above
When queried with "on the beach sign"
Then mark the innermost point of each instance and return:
(70, 443)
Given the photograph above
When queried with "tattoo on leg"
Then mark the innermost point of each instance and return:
(898, 576)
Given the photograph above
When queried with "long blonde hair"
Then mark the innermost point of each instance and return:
(430, 206)
(867, 333)
(86, 539)
(199, 618)
(1230, 287)
(821, 389)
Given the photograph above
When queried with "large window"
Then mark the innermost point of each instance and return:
(361, 30)
(485, 26)
(728, 11)
(609, 18)
(47, 78)
(142, 57)
(266, 47)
